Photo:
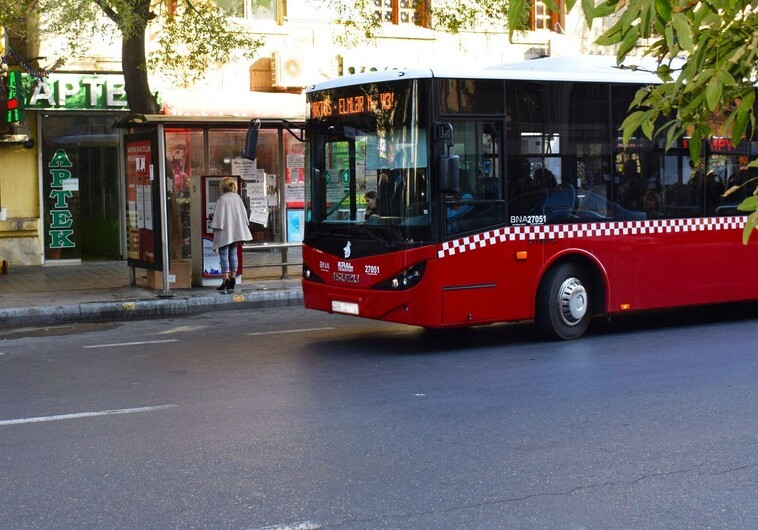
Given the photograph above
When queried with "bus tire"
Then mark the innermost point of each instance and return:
(563, 303)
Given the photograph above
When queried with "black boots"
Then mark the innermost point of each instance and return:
(227, 286)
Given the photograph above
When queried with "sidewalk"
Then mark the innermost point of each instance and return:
(101, 291)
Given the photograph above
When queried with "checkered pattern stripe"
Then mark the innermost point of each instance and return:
(587, 230)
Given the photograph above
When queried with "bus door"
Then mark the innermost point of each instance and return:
(339, 180)
(478, 206)
(479, 203)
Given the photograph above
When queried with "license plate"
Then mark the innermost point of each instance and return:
(349, 308)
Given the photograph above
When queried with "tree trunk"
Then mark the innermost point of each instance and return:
(134, 65)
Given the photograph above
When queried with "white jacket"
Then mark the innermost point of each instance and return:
(230, 222)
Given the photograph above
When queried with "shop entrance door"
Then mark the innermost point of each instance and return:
(98, 189)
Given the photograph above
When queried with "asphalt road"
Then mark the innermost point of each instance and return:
(290, 419)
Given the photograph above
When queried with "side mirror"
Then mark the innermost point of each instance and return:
(251, 140)
(448, 173)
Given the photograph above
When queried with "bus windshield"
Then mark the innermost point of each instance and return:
(368, 162)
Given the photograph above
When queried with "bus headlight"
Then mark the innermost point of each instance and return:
(308, 274)
(405, 280)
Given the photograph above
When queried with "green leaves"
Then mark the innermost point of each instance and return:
(601, 10)
(749, 204)
(750, 223)
(743, 115)
(518, 15)
(682, 31)
(713, 92)
(716, 43)
(196, 37)
(663, 8)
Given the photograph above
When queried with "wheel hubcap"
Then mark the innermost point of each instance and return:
(572, 301)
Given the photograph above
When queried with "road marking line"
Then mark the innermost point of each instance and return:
(140, 343)
(304, 525)
(288, 331)
(181, 329)
(60, 417)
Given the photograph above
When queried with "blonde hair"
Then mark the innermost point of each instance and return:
(228, 184)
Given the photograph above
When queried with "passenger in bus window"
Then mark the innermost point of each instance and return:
(489, 188)
(519, 176)
(521, 189)
(652, 204)
(743, 179)
(738, 178)
(384, 193)
(713, 190)
(456, 211)
(523, 184)
(544, 179)
(696, 183)
(372, 207)
(632, 188)
(398, 182)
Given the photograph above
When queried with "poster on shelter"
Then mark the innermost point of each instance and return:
(258, 202)
(247, 169)
(142, 239)
(295, 226)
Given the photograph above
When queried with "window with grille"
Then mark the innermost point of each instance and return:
(544, 18)
(398, 11)
(272, 10)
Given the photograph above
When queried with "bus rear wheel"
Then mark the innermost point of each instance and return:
(563, 303)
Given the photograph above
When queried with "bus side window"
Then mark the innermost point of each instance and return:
(631, 189)
(459, 207)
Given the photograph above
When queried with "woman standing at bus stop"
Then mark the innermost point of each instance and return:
(230, 226)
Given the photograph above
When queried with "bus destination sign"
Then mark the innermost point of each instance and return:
(371, 103)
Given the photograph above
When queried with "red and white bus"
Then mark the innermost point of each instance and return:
(507, 194)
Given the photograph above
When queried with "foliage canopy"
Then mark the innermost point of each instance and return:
(194, 35)
(712, 92)
(706, 52)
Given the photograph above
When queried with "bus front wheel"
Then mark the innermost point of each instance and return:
(563, 303)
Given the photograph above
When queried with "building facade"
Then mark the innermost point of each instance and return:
(62, 195)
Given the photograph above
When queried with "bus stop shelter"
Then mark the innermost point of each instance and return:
(168, 158)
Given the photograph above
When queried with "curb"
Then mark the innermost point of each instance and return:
(139, 309)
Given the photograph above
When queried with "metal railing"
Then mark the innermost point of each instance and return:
(269, 247)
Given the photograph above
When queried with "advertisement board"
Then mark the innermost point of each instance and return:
(143, 234)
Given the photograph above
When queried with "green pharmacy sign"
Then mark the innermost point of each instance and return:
(14, 107)
(78, 92)
(61, 191)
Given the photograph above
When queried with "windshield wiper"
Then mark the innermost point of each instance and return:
(337, 205)
(376, 237)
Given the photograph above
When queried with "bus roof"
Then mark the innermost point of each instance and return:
(587, 68)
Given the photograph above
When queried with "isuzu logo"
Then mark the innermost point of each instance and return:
(346, 277)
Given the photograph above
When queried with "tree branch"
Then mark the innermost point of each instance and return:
(109, 12)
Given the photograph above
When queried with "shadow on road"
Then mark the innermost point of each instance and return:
(676, 318)
(401, 340)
